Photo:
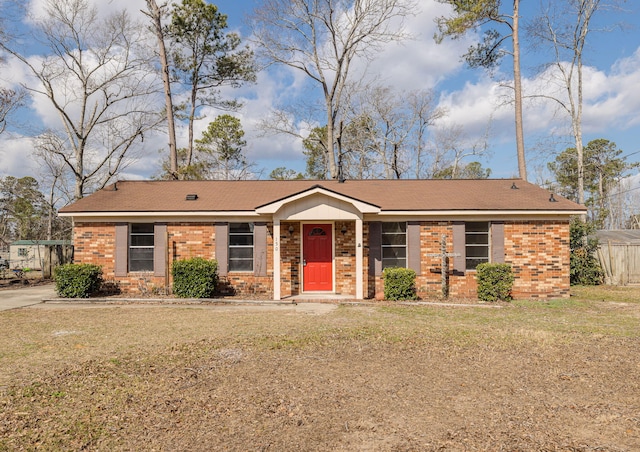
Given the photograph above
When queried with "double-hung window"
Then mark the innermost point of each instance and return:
(241, 247)
(476, 244)
(141, 243)
(394, 244)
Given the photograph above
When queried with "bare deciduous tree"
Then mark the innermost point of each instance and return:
(449, 147)
(564, 27)
(10, 100)
(323, 39)
(385, 136)
(49, 149)
(97, 82)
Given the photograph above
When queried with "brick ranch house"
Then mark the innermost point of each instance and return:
(287, 238)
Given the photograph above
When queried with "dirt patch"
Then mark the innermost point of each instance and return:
(561, 376)
(16, 283)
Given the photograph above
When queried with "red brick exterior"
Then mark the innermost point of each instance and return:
(538, 252)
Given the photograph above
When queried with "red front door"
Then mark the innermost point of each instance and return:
(317, 255)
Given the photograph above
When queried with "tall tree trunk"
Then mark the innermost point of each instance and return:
(156, 16)
(517, 85)
(331, 154)
(192, 115)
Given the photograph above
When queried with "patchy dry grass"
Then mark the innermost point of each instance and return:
(558, 375)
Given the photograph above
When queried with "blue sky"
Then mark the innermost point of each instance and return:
(471, 97)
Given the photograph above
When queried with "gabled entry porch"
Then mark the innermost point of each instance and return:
(320, 249)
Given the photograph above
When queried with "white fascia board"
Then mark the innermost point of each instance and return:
(182, 216)
(470, 214)
(363, 207)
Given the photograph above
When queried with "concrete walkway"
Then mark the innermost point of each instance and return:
(44, 296)
(25, 296)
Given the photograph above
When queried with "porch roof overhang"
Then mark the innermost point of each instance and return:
(313, 198)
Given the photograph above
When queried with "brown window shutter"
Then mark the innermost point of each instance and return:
(122, 249)
(222, 248)
(497, 242)
(413, 246)
(260, 249)
(459, 241)
(159, 249)
(375, 248)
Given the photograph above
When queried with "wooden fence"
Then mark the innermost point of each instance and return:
(55, 255)
(619, 258)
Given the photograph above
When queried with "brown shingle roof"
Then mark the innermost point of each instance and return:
(389, 195)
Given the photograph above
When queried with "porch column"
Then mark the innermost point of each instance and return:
(276, 259)
(359, 257)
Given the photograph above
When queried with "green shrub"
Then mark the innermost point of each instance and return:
(399, 284)
(195, 278)
(77, 280)
(584, 265)
(495, 282)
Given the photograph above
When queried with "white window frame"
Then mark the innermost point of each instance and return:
(150, 262)
(392, 244)
(487, 246)
(239, 246)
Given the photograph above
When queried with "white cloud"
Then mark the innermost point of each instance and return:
(474, 101)
(15, 156)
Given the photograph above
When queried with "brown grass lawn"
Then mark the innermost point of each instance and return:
(562, 375)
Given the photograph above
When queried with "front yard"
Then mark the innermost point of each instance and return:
(558, 375)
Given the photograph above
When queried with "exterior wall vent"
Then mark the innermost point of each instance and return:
(192, 197)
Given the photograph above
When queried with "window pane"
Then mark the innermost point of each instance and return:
(317, 232)
(477, 251)
(241, 247)
(473, 263)
(477, 243)
(394, 244)
(477, 227)
(140, 259)
(394, 239)
(241, 240)
(141, 240)
(394, 226)
(394, 257)
(246, 228)
(138, 228)
(241, 265)
(394, 253)
(240, 253)
(473, 239)
(387, 263)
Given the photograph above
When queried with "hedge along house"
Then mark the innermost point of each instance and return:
(286, 238)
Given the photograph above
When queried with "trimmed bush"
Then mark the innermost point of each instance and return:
(495, 282)
(195, 278)
(77, 280)
(399, 284)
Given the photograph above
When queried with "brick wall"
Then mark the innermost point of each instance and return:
(246, 283)
(94, 243)
(290, 266)
(429, 282)
(538, 253)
